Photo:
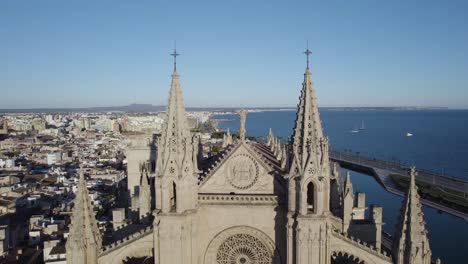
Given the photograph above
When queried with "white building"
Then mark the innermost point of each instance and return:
(54, 158)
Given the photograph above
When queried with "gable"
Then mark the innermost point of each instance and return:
(242, 171)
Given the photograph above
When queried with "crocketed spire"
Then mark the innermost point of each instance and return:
(348, 203)
(176, 159)
(348, 186)
(175, 142)
(145, 190)
(309, 146)
(309, 164)
(411, 242)
(270, 137)
(84, 241)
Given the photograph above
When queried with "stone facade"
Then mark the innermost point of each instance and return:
(254, 202)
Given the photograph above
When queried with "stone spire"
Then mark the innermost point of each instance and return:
(175, 140)
(307, 138)
(348, 186)
(279, 153)
(275, 146)
(411, 242)
(145, 191)
(285, 160)
(227, 139)
(270, 137)
(174, 160)
(348, 203)
(242, 115)
(84, 241)
(310, 168)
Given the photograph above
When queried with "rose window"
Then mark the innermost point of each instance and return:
(243, 249)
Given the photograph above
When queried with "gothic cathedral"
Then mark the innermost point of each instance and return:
(251, 203)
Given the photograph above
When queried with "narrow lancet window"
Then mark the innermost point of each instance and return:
(310, 197)
(173, 197)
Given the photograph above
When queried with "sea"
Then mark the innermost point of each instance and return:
(435, 140)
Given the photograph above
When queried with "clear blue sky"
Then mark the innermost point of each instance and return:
(56, 53)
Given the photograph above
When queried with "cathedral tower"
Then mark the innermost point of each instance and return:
(84, 241)
(176, 182)
(310, 169)
(308, 181)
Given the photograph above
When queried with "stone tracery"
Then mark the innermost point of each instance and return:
(243, 249)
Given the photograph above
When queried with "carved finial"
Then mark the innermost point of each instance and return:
(242, 116)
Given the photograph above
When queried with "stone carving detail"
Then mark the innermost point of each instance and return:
(243, 172)
(243, 249)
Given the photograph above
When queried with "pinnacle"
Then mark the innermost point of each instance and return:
(307, 134)
(175, 133)
(84, 232)
(348, 184)
(412, 234)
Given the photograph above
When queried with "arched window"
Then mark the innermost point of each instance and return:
(173, 197)
(310, 197)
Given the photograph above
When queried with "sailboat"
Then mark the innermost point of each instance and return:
(363, 127)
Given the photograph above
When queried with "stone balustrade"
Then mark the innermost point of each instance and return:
(361, 244)
(125, 240)
(237, 199)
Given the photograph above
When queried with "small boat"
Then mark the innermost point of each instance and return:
(408, 134)
(363, 127)
(354, 130)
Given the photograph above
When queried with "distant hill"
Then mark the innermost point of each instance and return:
(159, 108)
(126, 108)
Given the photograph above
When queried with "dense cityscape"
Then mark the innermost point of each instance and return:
(40, 159)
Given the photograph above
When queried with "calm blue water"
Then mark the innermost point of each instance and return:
(439, 143)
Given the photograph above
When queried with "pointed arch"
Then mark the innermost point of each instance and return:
(311, 198)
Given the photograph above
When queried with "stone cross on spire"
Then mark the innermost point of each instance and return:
(307, 53)
(175, 54)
